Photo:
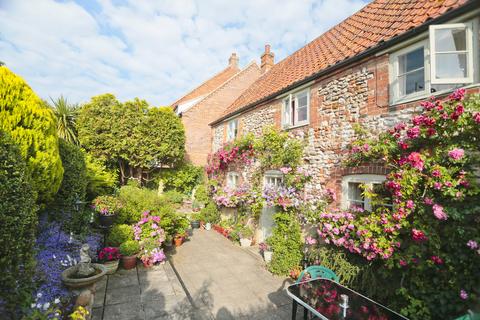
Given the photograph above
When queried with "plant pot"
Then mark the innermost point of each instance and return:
(267, 256)
(245, 242)
(178, 241)
(202, 224)
(129, 262)
(195, 224)
(111, 266)
(208, 226)
(106, 221)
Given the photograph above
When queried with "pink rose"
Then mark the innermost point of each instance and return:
(476, 117)
(438, 212)
(418, 235)
(410, 204)
(415, 160)
(428, 201)
(413, 133)
(456, 153)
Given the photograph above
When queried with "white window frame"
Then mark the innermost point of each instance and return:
(232, 179)
(273, 174)
(469, 53)
(232, 129)
(287, 110)
(395, 71)
(367, 179)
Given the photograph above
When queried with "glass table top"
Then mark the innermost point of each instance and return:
(330, 300)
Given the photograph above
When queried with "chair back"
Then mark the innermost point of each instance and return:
(318, 272)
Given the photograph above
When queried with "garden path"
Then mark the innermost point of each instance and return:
(225, 281)
(208, 277)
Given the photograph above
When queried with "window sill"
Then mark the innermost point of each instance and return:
(295, 126)
(434, 94)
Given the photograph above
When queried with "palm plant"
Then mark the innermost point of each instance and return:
(66, 114)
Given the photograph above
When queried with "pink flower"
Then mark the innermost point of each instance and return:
(285, 170)
(309, 240)
(403, 263)
(457, 94)
(476, 117)
(456, 153)
(472, 244)
(366, 147)
(463, 294)
(436, 173)
(403, 145)
(457, 112)
(418, 235)
(413, 133)
(415, 160)
(428, 201)
(437, 260)
(438, 212)
(437, 185)
(410, 204)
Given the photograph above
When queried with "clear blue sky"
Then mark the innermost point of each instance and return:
(155, 50)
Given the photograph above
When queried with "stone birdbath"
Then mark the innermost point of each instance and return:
(84, 273)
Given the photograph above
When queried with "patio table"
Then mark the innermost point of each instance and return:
(329, 300)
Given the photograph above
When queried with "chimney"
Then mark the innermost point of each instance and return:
(267, 59)
(233, 60)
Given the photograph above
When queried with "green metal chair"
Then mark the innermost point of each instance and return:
(318, 272)
(469, 316)
(315, 272)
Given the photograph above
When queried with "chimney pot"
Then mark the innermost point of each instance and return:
(267, 59)
(233, 60)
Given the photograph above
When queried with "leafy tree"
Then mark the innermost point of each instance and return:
(100, 179)
(18, 221)
(66, 114)
(31, 125)
(131, 136)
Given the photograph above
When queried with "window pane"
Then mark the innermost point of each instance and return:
(411, 61)
(412, 82)
(286, 112)
(302, 114)
(302, 99)
(450, 39)
(355, 192)
(451, 65)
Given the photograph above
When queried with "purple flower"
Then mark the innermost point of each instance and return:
(472, 244)
(463, 294)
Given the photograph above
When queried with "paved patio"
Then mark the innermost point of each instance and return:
(207, 278)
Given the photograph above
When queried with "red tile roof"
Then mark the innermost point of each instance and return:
(377, 22)
(209, 85)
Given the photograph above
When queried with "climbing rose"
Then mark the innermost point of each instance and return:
(436, 260)
(458, 94)
(410, 204)
(403, 263)
(418, 235)
(456, 153)
(438, 212)
(463, 294)
(413, 133)
(472, 244)
(457, 112)
(415, 160)
(476, 117)
(285, 170)
(428, 201)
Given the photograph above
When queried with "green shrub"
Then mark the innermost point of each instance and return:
(201, 194)
(286, 243)
(74, 182)
(129, 248)
(18, 221)
(182, 179)
(211, 213)
(119, 234)
(137, 200)
(100, 180)
(174, 196)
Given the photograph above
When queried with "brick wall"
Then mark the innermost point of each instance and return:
(197, 119)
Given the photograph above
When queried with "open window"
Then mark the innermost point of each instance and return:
(451, 47)
(232, 180)
(353, 191)
(232, 130)
(296, 109)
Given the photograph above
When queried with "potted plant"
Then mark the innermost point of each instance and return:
(106, 208)
(178, 240)
(246, 234)
(110, 257)
(266, 252)
(195, 220)
(129, 250)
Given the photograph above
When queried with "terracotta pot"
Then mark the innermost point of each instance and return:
(111, 266)
(106, 221)
(129, 262)
(178, 241)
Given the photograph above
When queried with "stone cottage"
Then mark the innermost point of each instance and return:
(373, 68)
(209, 101)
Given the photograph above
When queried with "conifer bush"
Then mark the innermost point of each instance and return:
(31, 124)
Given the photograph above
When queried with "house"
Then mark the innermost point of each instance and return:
(207, 102)
(372, 68)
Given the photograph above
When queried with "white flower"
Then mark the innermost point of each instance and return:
(39, 305)
(46, 305)
(32, 305)
(57, 301)
(39, 295)
(54, 257)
